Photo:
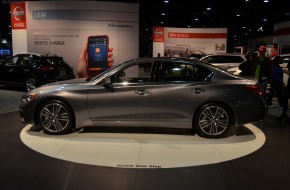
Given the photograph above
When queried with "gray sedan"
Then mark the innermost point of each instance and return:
(148, 92)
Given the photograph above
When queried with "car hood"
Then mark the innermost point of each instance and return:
(73, 84)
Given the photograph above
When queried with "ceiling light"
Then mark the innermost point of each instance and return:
(163, 14)
(238, 15)
(196, 19)
(208, 8)
(266, 1)
(166, 1)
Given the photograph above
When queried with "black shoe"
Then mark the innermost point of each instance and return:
(281, 117)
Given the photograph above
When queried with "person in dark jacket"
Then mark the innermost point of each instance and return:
(263, 69)
(277, 84)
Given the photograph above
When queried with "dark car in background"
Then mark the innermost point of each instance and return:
(33, 70)
(148, 92)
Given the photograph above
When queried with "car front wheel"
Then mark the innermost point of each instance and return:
(213, 120)
(55, 117)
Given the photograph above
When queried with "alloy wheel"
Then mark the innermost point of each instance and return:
(54, 117)
(213, 121)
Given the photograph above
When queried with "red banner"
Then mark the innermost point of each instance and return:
(196, 35)
(18, 15)
(158, 34)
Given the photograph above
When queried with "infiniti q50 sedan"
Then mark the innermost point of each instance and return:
(148, 92)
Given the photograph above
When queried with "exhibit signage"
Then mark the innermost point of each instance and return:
(58, 28)
(18, 15)
(184, 42)
(158, 34)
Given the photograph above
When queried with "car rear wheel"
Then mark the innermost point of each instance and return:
(213, 120)
(55, 117)
(31, 83)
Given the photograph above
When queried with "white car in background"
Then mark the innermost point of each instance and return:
(227, 61)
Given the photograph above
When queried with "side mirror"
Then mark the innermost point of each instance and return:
(107, 81)
(108, 84)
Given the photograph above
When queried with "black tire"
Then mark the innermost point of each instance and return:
(213, 120)
(55, 117)
(31, 83)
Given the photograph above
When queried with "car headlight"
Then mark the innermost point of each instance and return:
(28, 97)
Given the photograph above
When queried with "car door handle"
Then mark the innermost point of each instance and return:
(198, 90)
(142, 92)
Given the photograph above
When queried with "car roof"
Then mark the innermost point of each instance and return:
(36, 54)
(226, 54)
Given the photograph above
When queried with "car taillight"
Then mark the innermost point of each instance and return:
(44, 68)
(255, 89)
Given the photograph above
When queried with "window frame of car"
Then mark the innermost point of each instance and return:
(7, 62)
(120, 77)
(107, 78)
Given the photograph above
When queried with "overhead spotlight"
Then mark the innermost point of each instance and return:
(163, 14)
(188, 26)
(196, 19)
(161, 22)
(260, 29)
(166, 1)
(265, 20)
(238, 15)
(208, 8)
(266, 1)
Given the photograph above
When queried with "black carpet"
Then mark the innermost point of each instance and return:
(23, 168)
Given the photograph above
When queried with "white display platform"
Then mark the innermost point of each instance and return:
(127, 150)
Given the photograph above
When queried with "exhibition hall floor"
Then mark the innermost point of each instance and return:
(257, 156)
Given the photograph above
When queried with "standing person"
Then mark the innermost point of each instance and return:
(286, 95)
(263, 69)
(247, 67)
(277, 83)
